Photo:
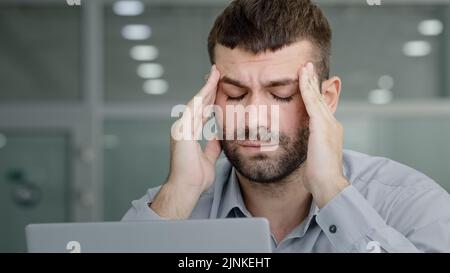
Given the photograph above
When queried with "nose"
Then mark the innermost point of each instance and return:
(258, 116)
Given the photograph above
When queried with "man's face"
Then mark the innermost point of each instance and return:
(267, 79)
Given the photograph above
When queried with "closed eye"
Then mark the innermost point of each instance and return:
(286, 99)
(239, 98)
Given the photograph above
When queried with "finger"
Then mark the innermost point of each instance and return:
(208, 92)
(206, 96)
(212, 150)
(314, 81)
(323, 104)
(210, 86)
(209, 112)
(308, 94)
(310, 91)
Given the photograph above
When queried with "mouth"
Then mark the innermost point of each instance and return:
(251, 144)
(260, 145)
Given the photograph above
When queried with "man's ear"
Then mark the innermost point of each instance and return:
(331, 89)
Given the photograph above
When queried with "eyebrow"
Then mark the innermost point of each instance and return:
(272, 83)
(281, 82)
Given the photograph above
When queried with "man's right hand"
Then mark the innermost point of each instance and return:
(192, 170)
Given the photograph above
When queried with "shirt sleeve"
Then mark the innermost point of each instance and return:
(352, 225)
(140, 209)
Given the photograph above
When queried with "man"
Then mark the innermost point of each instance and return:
(316, 196)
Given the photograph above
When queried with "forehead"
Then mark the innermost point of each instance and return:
(246, 66)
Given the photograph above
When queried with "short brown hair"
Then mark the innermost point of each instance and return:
(260, 25)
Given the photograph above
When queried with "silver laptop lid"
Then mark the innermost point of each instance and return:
(206, 235)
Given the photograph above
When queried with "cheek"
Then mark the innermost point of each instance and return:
(300, 107)
(222, 103)
(293, 117)
(220, 98)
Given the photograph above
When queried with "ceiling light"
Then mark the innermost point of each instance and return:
(144, 52)
(150, 70)
(386, 82)
(155, 87)
(380, 96)
(431, 27)
(128, 8)
(416, 48)
(136, 32)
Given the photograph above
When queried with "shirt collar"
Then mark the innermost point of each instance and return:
(232, 199)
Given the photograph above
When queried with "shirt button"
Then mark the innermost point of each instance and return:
(333, 229)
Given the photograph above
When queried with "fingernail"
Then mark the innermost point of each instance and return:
(213, 67)
(310, 66)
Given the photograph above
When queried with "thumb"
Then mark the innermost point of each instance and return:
(212, 150)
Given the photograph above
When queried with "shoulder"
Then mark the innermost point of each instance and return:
(364, 168)
(396, 190)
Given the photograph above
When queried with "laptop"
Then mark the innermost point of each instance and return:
(235, 235)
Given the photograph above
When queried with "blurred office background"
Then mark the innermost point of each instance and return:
(86, 93)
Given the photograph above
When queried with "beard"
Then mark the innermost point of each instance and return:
(271, 167)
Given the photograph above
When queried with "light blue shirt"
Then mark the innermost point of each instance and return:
(388, 207)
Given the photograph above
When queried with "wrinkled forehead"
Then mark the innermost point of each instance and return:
(255, 69)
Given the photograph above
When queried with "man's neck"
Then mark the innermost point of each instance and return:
(284, 203)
